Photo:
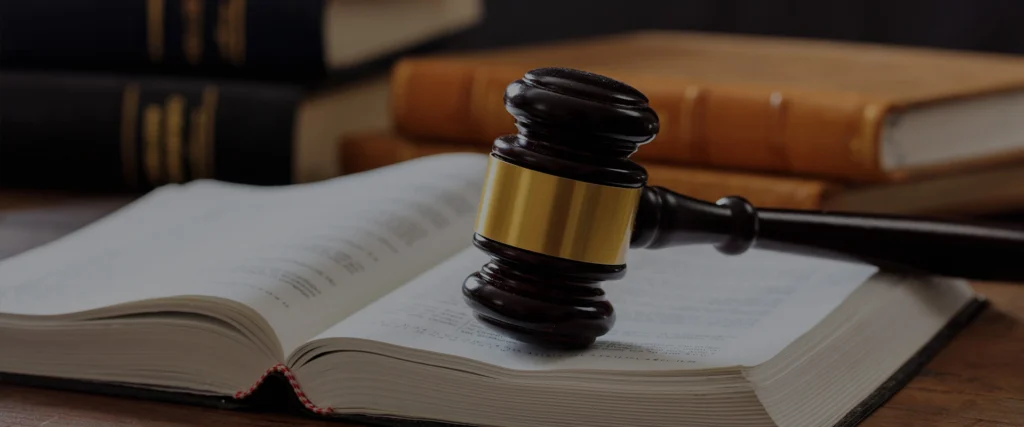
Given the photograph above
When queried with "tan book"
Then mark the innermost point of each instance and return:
(969, 193)
(853, 112)
(982, 192)
(365, 150)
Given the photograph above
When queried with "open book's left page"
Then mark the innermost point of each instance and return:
(303, 257)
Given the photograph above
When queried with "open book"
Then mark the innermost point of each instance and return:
(350, 289)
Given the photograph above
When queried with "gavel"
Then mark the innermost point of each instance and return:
(563, 203)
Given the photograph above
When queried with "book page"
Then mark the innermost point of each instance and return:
(302, 256)
(677, 308)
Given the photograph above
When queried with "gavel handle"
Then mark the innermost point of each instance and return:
(954, 249)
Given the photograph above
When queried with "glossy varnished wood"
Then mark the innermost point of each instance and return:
(580, 126)
(536, 298)
(971, 250)
(976, 381)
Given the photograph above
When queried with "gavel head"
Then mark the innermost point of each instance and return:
(558, 207)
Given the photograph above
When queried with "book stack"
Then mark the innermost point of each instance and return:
(784, 122)
(129, 95)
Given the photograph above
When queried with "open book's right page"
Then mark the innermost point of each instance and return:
(679, 308)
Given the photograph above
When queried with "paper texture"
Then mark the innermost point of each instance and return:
(303, 257)
(679, 308)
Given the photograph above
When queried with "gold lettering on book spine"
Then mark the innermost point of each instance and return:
(174, 122)
(172, 135)
(192, 30)
(155, 29)
(231, 31)
(198, 121)
(129, 140)
(152, 122)
(201, 135)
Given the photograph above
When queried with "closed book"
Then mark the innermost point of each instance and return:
(344, 295)
(855, 112)
(300, 40)
(370, 149)
(116, 132)
(968, 193)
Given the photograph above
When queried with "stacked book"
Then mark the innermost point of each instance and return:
(787, 123)
(129, 95)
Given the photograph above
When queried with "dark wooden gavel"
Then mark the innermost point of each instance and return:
(563, 203)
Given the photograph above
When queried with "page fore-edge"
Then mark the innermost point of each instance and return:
(278, 391)
(899, 379)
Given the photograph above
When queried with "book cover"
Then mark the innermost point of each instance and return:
(860, 113)
(311, 42)
(371, 149)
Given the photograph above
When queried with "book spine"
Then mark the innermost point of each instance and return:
(127, 133)
(366, 150)
(821, 134)
(246, 38)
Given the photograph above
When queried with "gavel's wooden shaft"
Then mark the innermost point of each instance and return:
(945, 248)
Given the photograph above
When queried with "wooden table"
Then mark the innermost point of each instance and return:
(977, 381)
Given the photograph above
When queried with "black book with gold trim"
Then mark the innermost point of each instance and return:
(295, 40)
(134, 94)
(91, 131)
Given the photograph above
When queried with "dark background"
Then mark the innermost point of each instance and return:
(984, 25)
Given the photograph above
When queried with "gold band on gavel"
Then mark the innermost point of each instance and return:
(556, 216)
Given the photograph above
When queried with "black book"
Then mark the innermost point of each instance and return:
(292, 40)
(128, 95)
(344, 296)
(118, 132)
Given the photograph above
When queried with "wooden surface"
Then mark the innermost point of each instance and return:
(976, 381)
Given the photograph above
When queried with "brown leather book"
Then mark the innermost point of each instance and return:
(963, 194)
(858, 113)
(361, 151)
